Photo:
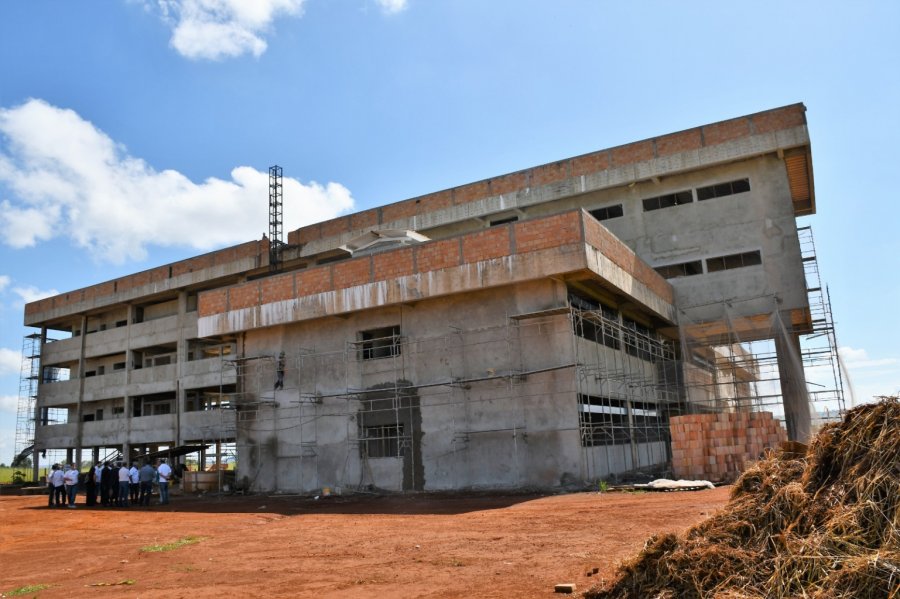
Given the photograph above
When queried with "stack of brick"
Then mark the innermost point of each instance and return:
(717, 447)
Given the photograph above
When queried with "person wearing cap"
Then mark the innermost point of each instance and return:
(165, 474)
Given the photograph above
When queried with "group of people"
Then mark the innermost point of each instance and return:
(62, 485)
(112, 485)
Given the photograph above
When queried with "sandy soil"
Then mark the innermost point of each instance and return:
(406, 546)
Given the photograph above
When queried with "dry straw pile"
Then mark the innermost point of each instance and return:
(823, 525)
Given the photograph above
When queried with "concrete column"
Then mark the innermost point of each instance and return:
(793, 387)
(181, 358)
(38, 421)
(79, 409)
(127, 407)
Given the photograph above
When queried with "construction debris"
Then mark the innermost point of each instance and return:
(823, 525)
(665, 484)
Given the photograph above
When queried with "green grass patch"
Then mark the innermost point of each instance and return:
(171, 546)
(32, 588)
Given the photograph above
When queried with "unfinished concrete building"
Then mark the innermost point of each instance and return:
(535, 329)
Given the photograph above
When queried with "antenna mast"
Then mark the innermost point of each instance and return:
(275, 217)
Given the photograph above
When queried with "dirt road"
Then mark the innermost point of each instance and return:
(407, 546)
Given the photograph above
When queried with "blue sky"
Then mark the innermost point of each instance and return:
(134, 133)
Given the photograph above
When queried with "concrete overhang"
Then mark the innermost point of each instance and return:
(570, 245)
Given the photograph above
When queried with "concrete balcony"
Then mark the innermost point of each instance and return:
(155, 332)
(208, 424)
(61, 352)
(207, 373)
(105, 386)
(60, 393)
(153, 429)
(104, 432)
(56, 436)
(159, 379)
(102, 343)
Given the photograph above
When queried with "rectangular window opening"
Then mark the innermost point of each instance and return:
(610, 421)
(682, 269)
(722, 189)
(607, 212)
(733, 261)
(668, 200)
(379, 343)
(503, 221)
(381, 441)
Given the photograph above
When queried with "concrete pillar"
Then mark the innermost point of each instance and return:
(181, 359)
(793, 387)
(38, 411)
(79, 410)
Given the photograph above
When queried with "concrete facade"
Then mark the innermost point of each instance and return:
(536, 330)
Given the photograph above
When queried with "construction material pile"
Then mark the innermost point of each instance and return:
(822, 525)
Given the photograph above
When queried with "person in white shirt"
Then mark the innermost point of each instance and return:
(98, 477)
(124, 486)
(134, 483)
(55, 486)
(164, 472)
(70, 479)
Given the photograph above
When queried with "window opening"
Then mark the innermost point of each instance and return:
(732, 261)
(379, 343)
(667, 201)
(607, 212)
(723, 189)
(503, 221)
(381, 441)
(682, 269)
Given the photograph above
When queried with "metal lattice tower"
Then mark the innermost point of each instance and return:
(276, 217)
(28, 389)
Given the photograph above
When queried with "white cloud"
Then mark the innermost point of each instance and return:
(866, 378)
(859, 358)
(216, 29)
(4, 282)
(72, 180)
(32, 294)
(10, 361)
(9, 404)
(392, 6)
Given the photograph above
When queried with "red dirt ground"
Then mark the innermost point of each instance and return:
(399, 546)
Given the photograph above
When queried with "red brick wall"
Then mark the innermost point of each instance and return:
(484, 245)
(723, 131)
(590, 163)
(390, 265)
(631, 153)
(314, 280)
(548, 232)
(278, 288)
(212, 302)
(436, 255)
(717, 447)
(679, 142)
(508, 183)
(353, 272)
(243, 296)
